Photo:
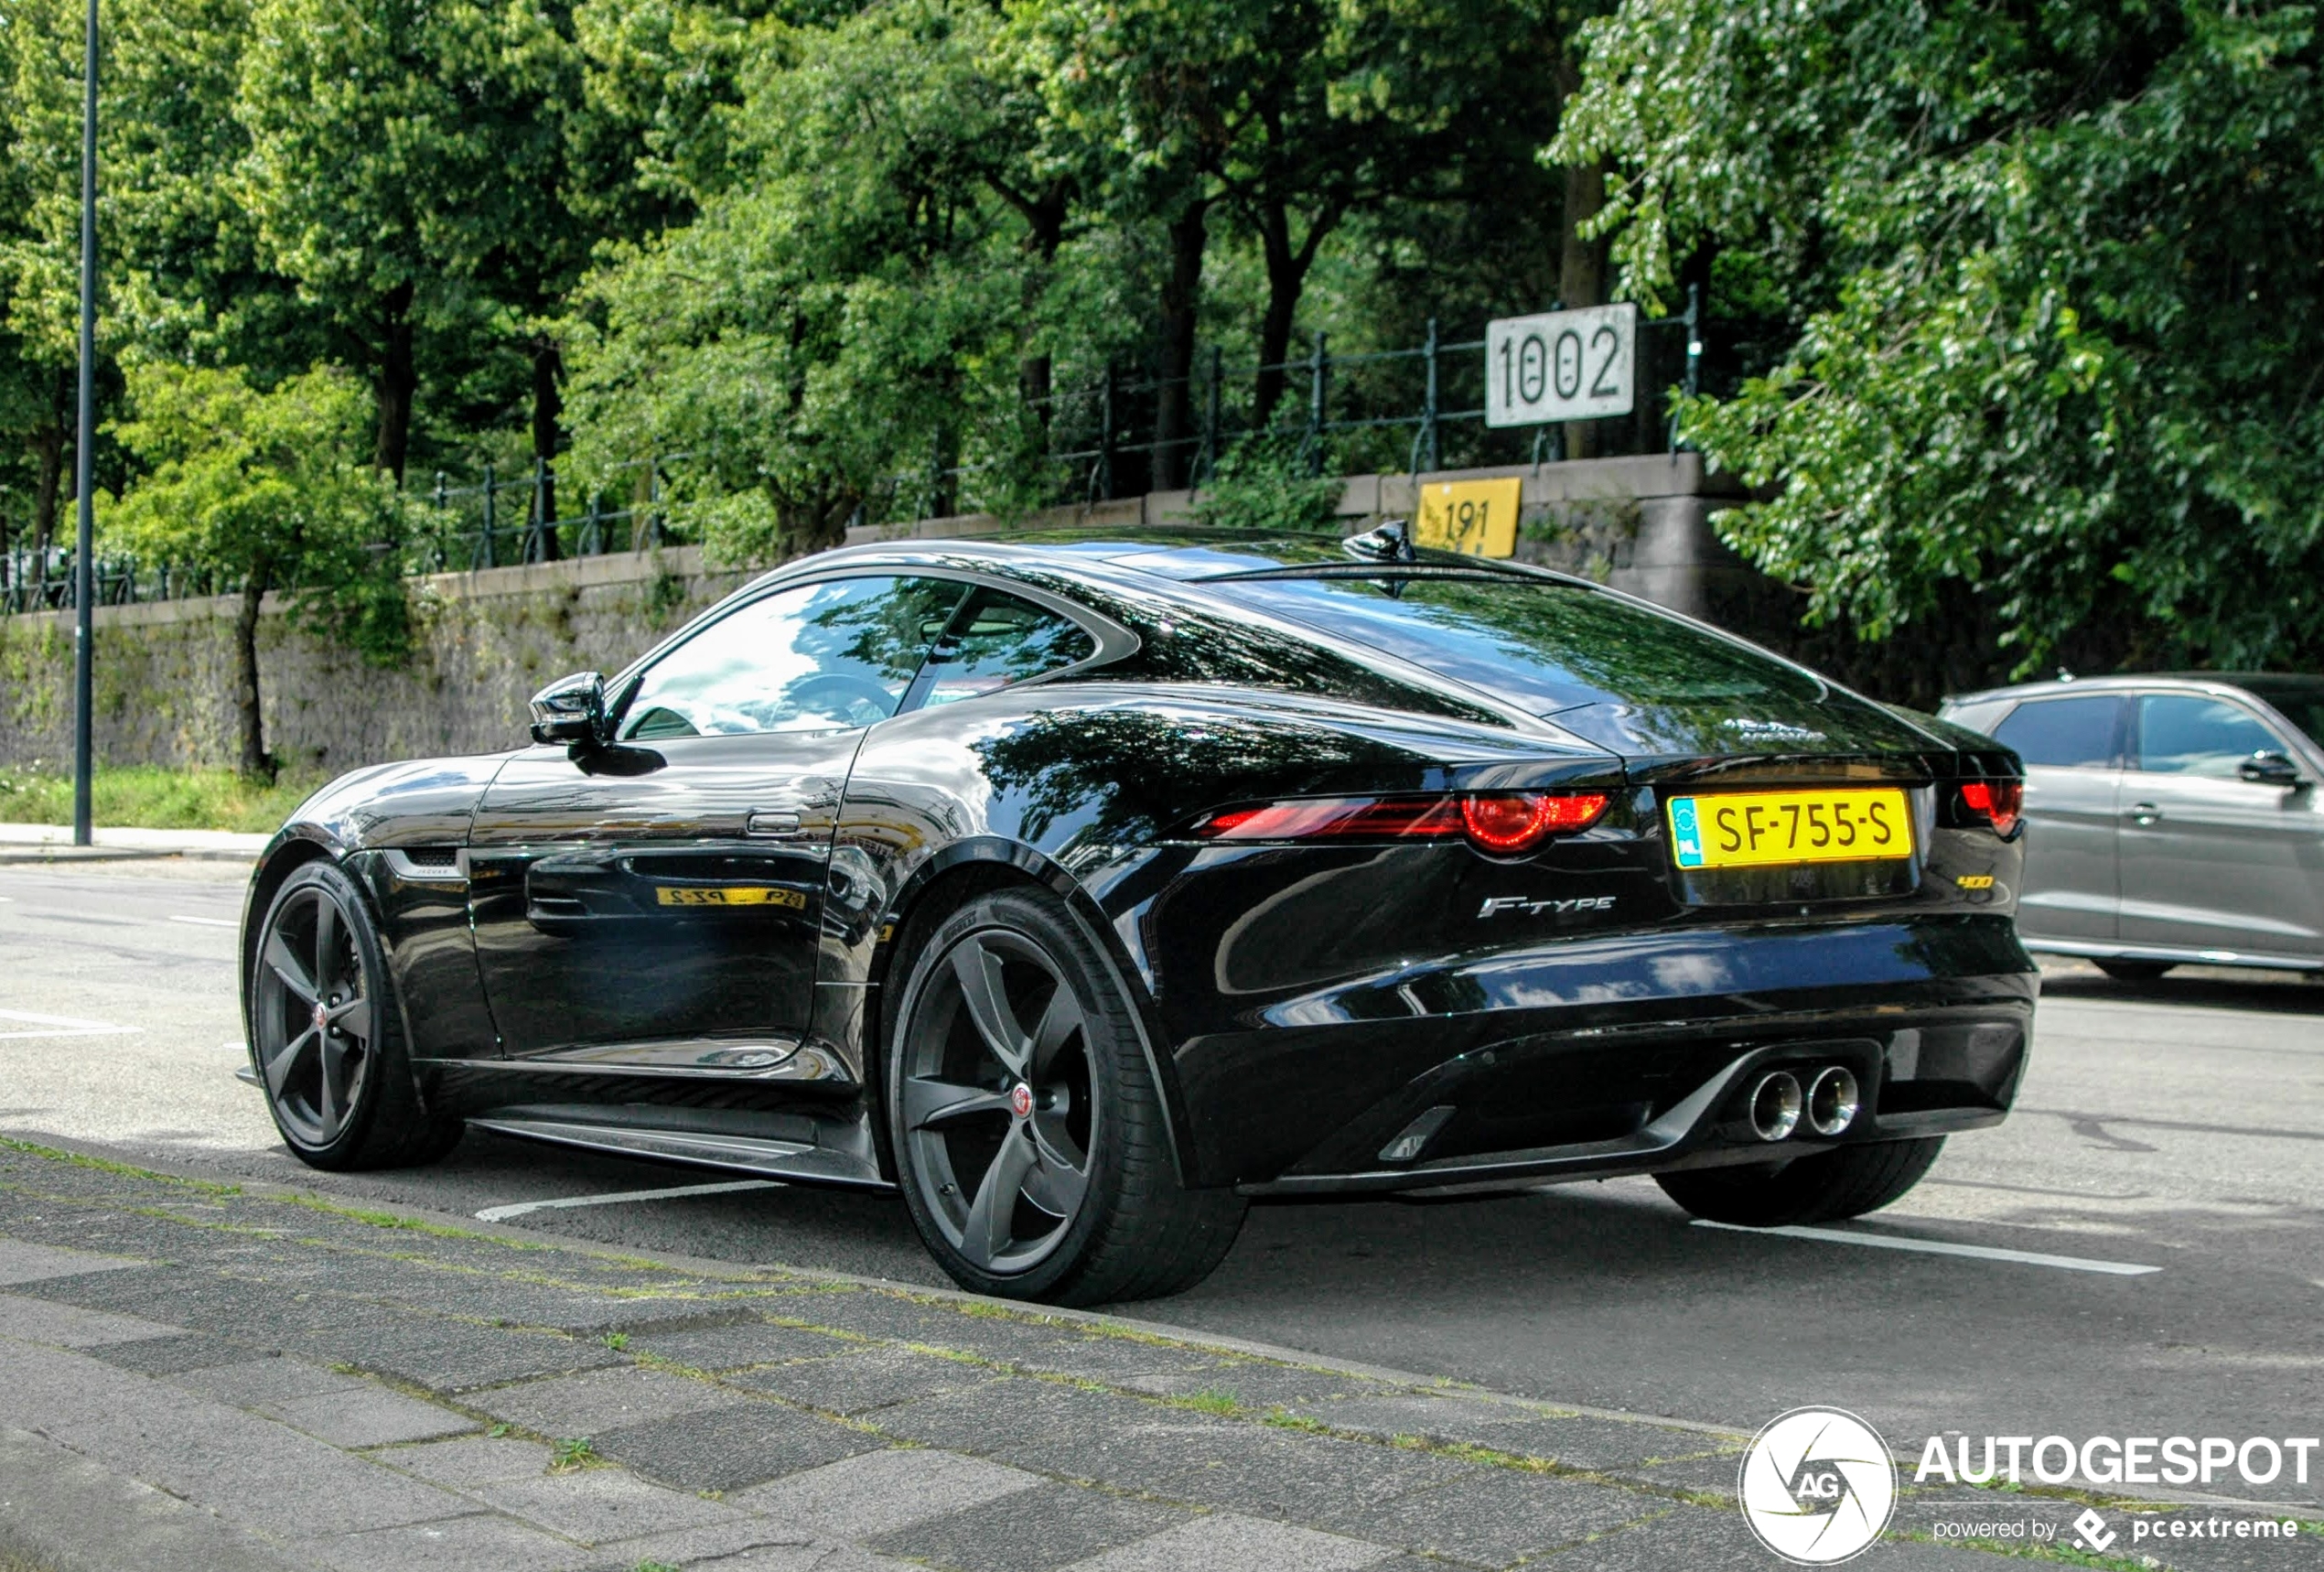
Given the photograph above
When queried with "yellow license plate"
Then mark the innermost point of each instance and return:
(738, 895)
(1762, 829)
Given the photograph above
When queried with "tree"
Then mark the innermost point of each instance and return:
(273, 489)
(40, 246)
(2051, 295)
(865, 310)
(398, 152)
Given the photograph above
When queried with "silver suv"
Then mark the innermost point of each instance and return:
(2170, 819)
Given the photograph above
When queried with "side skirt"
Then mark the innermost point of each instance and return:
(761, 1155)
(2107, 950)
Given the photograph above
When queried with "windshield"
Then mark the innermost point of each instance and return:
(1547, 646)
(2300, 700)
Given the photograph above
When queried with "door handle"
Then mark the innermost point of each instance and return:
(770, 822)
(2143, 813)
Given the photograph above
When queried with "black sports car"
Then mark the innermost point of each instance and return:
(1084, 890)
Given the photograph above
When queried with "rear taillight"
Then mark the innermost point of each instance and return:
(1522, 820)
(1501, 823)
(1996, 802)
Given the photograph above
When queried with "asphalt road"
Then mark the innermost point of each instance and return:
(2178, 1125)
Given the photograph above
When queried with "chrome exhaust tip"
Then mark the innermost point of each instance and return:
(1775, 1105)
(1833, 1100)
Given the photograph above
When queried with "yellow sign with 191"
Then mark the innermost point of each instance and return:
(1477, 517)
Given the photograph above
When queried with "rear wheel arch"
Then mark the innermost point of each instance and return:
(951, 881)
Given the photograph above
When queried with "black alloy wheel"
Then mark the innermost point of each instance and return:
(323, 1033)
(2134, 971)
(1027, 1133)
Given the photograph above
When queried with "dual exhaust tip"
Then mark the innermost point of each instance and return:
(1827, 1103)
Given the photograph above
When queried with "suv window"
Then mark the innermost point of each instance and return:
(2076, 733)
(816, 657)
(2187, 734)
(998, 640)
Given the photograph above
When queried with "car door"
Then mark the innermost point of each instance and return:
(2072, 749)
(656, 902)
(2212, 861)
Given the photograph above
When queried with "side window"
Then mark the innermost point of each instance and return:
(1001, 639)
(2078, 733)
(818, 657)
(2186, 734)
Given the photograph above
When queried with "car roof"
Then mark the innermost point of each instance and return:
(2259, 683)
(1182, 552)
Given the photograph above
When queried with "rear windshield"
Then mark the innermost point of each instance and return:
(1543, 645)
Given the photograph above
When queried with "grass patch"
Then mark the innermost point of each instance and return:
(1210, 1401)
(107, 1166)
(569, 1453)
(143, 797)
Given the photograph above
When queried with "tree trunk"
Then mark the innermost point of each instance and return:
(49, 460)
(1283, 304)
(1044, 234)
(255, 764)
(1581, 263)
(397, 379)
(548, 404)
(1287, 280)
(1181, 299)
(49, 464)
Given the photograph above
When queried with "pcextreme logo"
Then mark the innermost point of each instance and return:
(1817, 1486)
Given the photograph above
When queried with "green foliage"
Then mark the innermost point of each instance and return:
(268, 486)
(2050, 300)
(569, 1454)
(851, 312)
(1267, 481)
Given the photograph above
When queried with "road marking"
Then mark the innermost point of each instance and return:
(518, 1209)
(1939, 1247)
(59, 1026)
(207, 921)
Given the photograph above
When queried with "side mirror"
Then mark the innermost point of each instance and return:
(2269, 770)
(571, 710)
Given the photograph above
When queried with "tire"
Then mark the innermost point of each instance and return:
(1846, 1182)
(2134, 971)
(1034, 1158)
(341, 1089)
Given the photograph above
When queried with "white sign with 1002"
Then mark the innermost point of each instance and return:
(1562, 365)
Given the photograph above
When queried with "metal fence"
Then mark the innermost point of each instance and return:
(1105, 436)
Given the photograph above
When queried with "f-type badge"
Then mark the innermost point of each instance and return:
(1496, 905)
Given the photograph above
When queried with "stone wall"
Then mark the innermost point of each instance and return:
(486, 641)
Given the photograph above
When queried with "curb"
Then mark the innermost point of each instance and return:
(64, 854)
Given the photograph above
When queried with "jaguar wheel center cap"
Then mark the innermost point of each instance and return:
(321, 1018)
(1020, 1101)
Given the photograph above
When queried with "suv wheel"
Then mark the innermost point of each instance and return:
(1027, 1132)
(1847, 1181)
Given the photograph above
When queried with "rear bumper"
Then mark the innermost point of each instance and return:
(1630, 1054)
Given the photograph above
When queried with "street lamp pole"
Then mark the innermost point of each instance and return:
(84, 595)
